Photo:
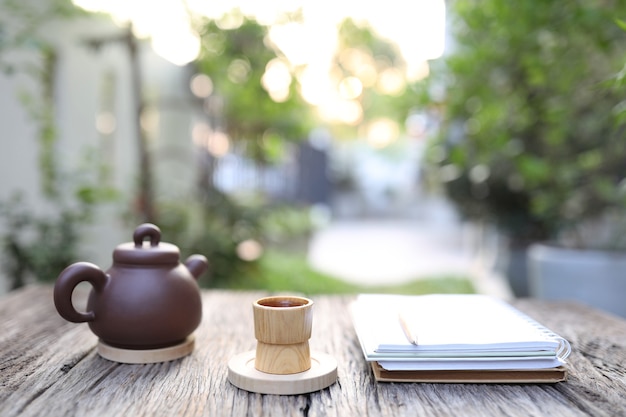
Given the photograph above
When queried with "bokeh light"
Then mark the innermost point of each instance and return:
(249, 250)
(166, 22)
(391, 82)
(218, 144)
(277, 79)
(201, 85)
(238, 71)
(308, 43)
(215, 142)
(382, 132)
(350, 88)
(106, 123)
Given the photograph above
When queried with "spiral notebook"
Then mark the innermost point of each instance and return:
(458, 333)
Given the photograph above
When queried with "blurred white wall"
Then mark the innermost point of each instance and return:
(89, 83)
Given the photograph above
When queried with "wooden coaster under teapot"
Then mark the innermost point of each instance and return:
(145, 307)
(137, 356)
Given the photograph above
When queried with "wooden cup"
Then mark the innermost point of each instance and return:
(282, 327)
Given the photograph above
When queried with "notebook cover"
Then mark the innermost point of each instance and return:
(525, 376)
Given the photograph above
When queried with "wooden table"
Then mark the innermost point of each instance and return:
(50, 367)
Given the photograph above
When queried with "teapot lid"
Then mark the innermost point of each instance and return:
(146, 253)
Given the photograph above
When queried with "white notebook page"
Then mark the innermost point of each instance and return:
(448, 323)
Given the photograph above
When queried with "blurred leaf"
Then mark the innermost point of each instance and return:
(533, 169)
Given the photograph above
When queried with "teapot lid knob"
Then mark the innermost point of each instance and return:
(138, 253)
(147, 230)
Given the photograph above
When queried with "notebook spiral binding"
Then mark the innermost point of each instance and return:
(564, 349)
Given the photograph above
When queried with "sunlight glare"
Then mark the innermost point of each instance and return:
(305, 43)
(179, 47)
(361, 64)
(315, 86)
(350, 88)
(391, 82)
(167, 23)
(291, 38)
(266, 12)
(417, 27)
(308, 43)
(382, 132)
(418, 71)
(277, 79)
(353, 59)
(419, 30)
(368, 75)
(345, 111)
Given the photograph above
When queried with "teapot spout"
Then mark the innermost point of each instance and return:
(197, 265)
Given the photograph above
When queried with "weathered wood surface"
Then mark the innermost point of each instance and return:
(49, 367)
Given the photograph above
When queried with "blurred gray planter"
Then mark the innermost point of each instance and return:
(596, 278)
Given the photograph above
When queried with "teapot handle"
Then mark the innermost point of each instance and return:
(68, 280)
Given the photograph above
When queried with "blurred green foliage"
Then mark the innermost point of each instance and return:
(212, 228)
(235, 60)
(36, 247)
(531, 139)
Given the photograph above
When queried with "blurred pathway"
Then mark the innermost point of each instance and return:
(429, 243)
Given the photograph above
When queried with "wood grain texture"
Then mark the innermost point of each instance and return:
(283, 359)
(49, 367)
(243, 374)
(283, 325)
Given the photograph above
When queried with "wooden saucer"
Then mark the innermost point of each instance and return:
(243, 374)
(138, 356)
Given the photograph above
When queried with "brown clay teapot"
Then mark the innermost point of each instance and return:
(147, 299)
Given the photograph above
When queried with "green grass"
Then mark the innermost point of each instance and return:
(289, 272)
